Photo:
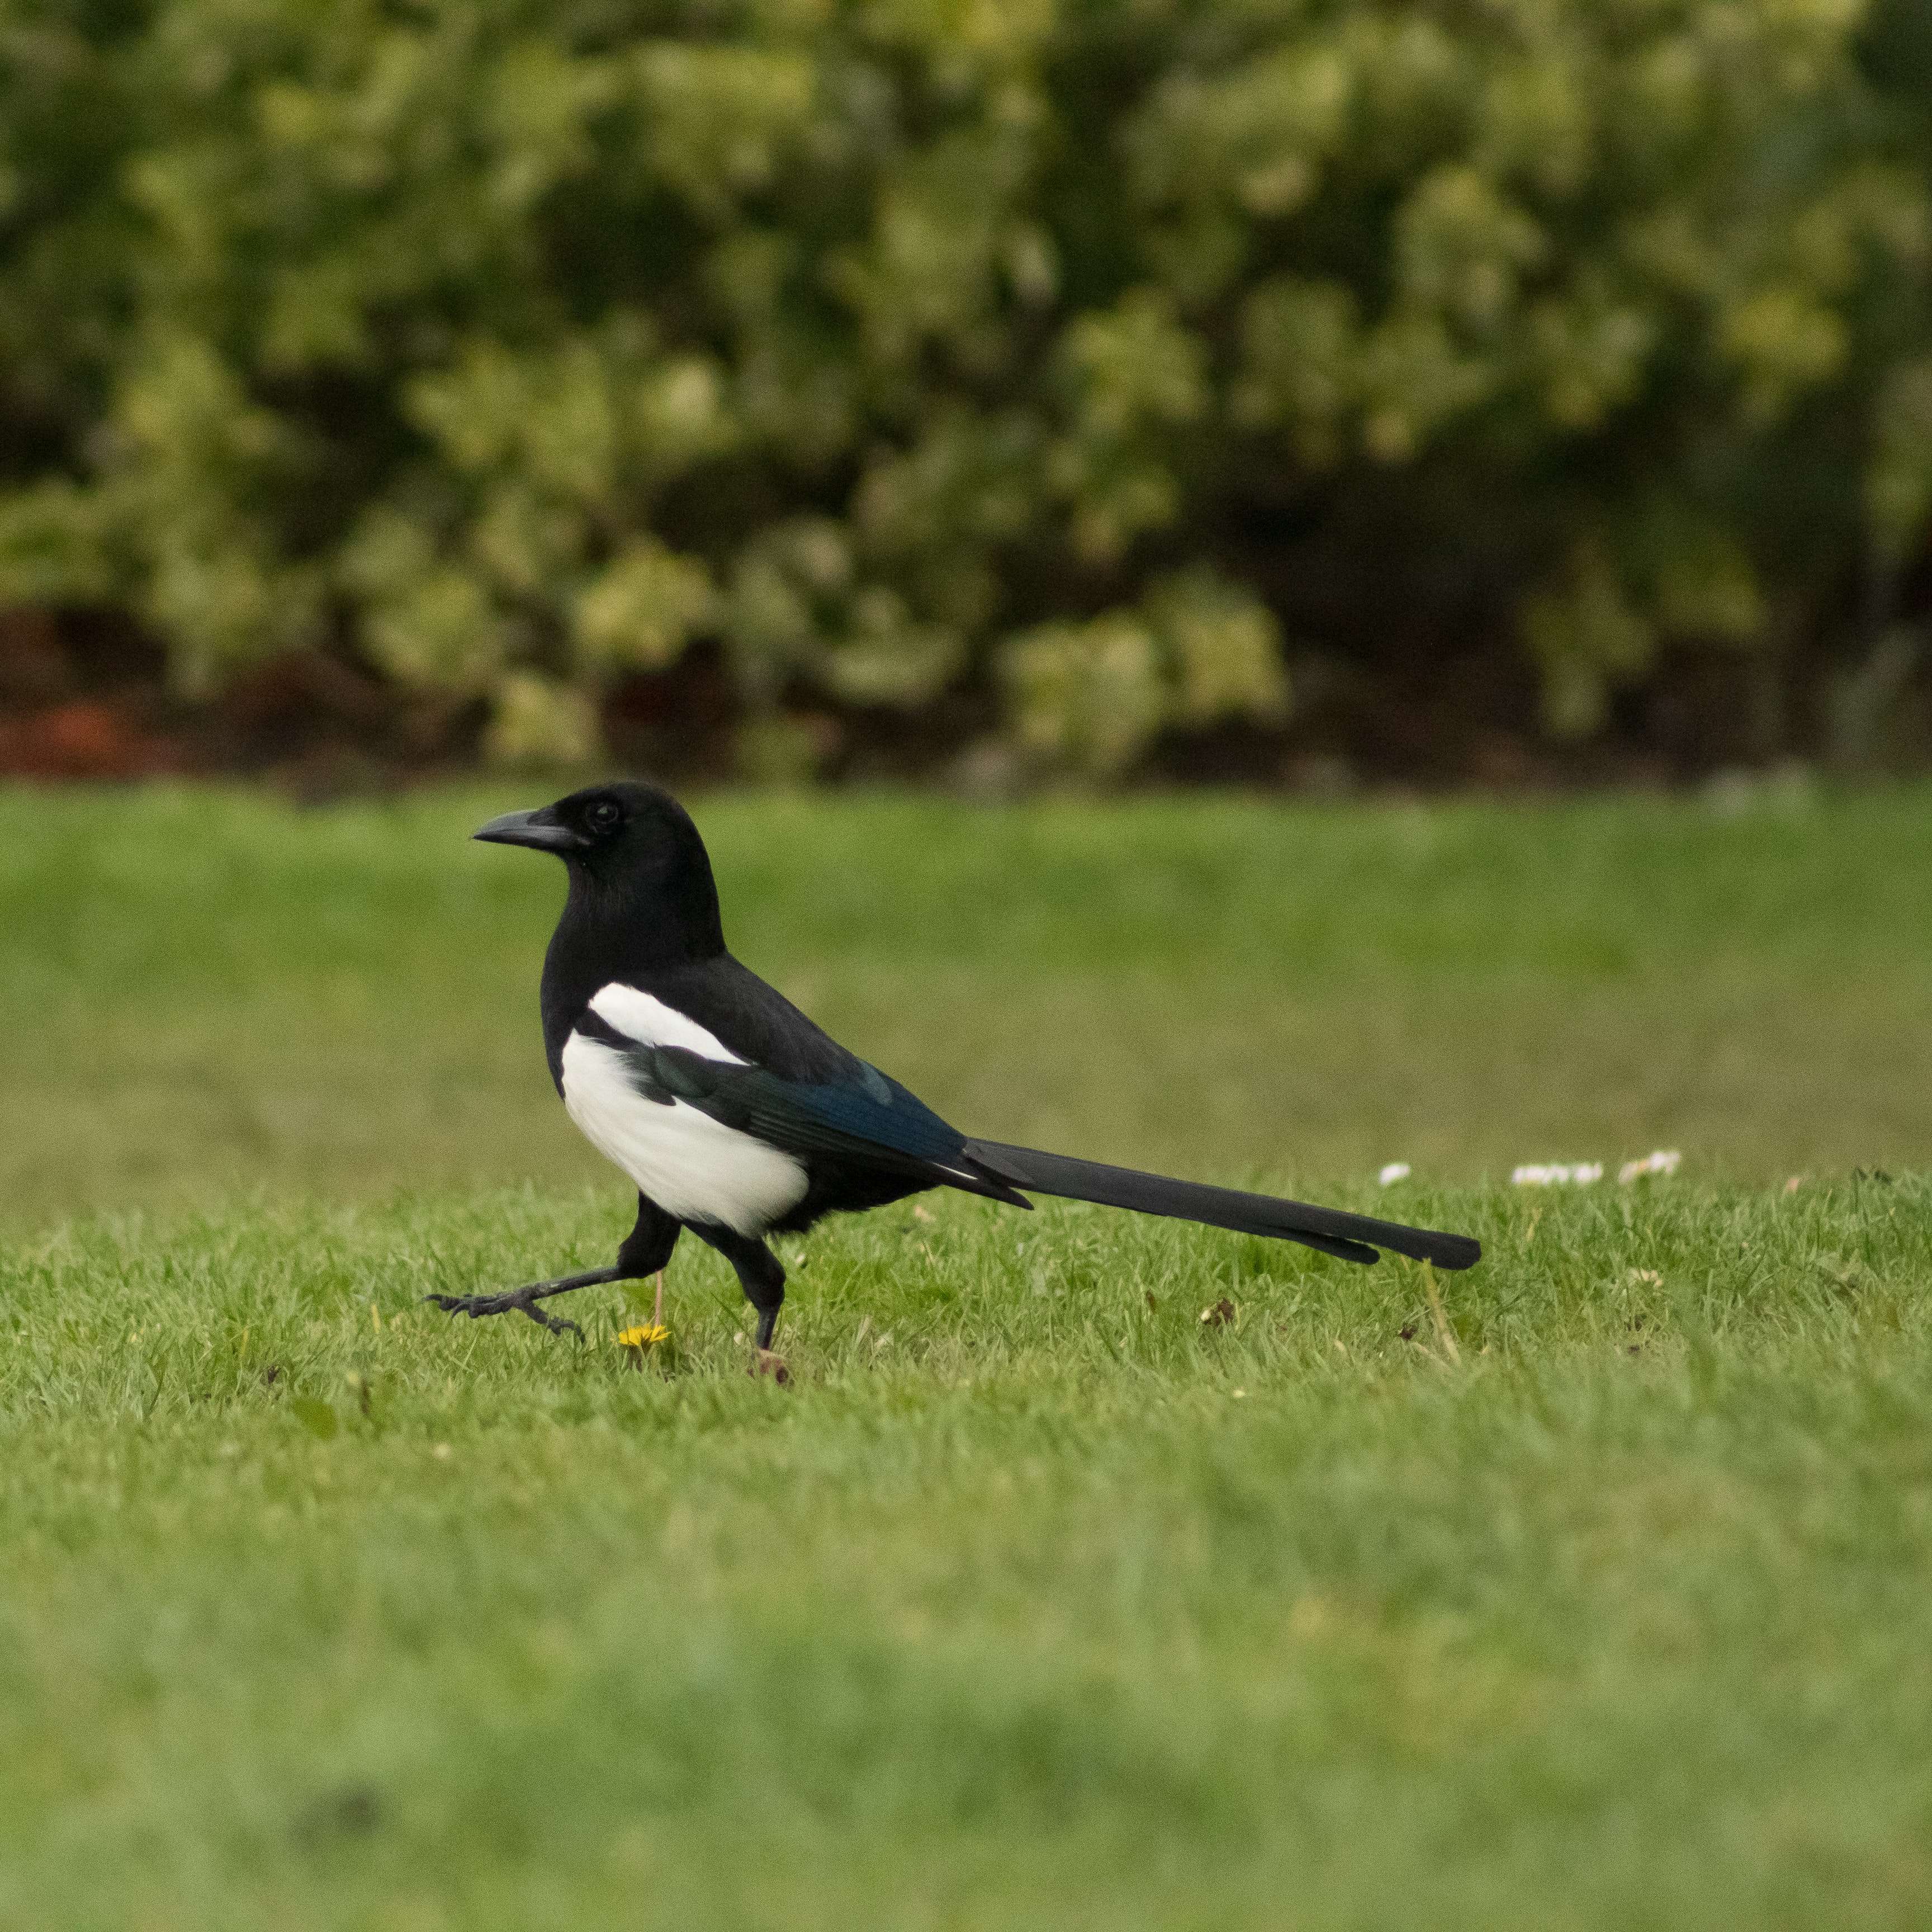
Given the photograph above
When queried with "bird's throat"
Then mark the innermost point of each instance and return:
(613, 930)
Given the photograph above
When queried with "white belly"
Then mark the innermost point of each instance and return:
(692, 1166)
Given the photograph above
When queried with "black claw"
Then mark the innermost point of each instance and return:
(557, 1324)
(474, 1306)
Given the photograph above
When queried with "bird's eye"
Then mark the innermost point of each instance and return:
(602, 816)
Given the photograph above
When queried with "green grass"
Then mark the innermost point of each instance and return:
(1596, 1593)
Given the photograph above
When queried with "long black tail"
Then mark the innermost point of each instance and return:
(1328, 1228)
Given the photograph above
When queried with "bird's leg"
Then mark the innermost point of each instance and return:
(765, 1362)
(526, 1299)
(657, 1307)
(646, 1250)
(768, 1320)
(762, 1277)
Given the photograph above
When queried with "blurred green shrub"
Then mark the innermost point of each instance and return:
(901, 343)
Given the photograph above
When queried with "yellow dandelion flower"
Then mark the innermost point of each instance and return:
(647, 1336)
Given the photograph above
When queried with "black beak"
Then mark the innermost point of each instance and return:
(539, 829)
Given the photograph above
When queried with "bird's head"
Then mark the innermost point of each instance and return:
(634, 858)
(606, 827)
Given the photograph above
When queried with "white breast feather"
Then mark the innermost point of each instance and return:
(651, 1023)
(692, 1166)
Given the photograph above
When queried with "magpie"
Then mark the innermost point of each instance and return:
(737, 1118)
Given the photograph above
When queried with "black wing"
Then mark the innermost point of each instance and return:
(869, 1119)
(748, 1017)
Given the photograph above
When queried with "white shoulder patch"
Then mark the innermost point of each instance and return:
(651, 1023)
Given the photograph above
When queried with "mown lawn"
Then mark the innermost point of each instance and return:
(1592, 1589)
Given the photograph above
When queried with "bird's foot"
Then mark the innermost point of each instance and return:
(765, 1363)
(524, 1298)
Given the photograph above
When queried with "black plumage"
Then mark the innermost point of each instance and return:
(738, 1117)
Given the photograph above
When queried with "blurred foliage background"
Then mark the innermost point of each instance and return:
(1013, 386)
